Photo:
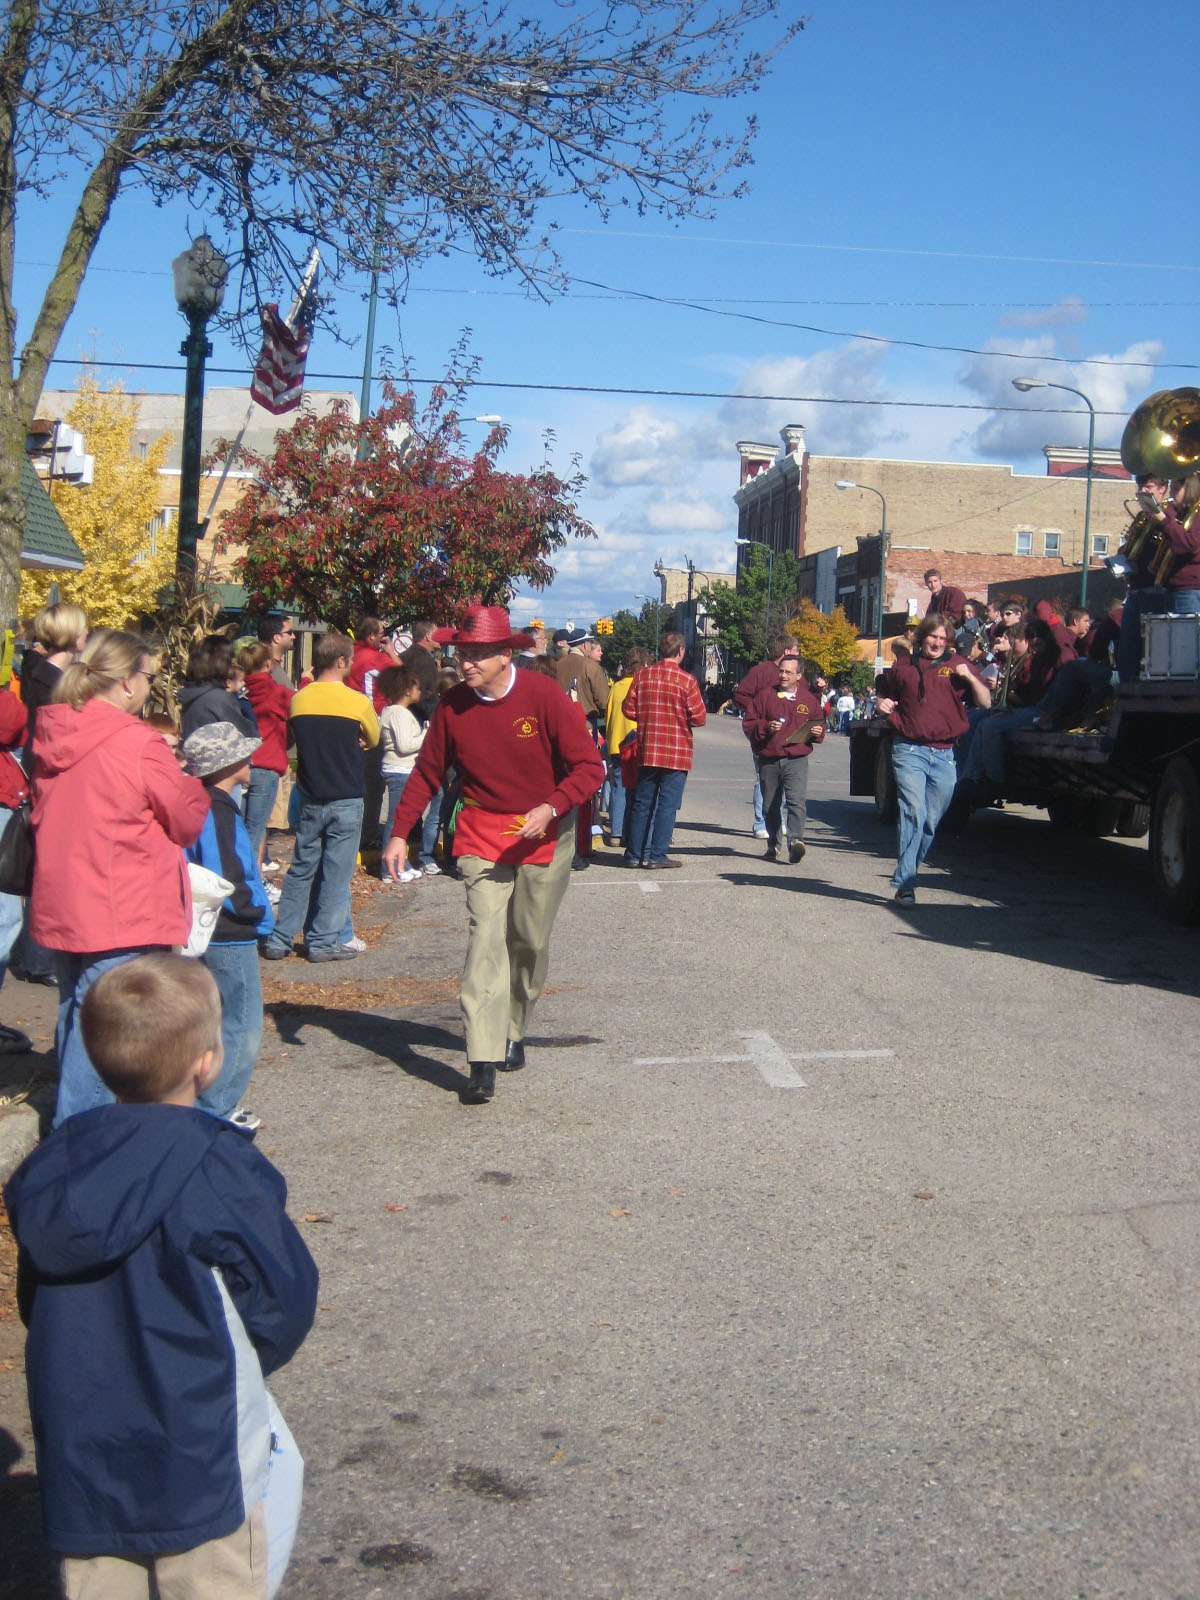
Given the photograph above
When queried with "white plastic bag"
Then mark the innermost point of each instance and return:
(281, 1503)
(209, 892)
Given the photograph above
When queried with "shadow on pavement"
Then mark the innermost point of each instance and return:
(1080, 904)
(29, 1572)
(398, 1041)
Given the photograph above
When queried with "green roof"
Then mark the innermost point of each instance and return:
(47, 541)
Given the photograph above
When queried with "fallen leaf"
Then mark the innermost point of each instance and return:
(507, 1218)
(604, 1324)
(676, 1192)
(559, 1455)
(390, 1206)
(313, 1216)
(922, 1194)
(617, 1212)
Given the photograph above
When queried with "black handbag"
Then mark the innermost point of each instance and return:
(16, 846)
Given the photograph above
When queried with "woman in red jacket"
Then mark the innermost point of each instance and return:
(112, 812)
(271, 702)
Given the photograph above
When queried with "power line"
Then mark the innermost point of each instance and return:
(885, 250)
(878, 338)
(596, 388)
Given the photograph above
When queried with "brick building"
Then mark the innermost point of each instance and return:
(980, 524)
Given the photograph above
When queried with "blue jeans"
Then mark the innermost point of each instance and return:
(258, 802)
(1183, 602)
(429, 833)
(925, 780)
(327, 836)
(395, 788)
(616, 799)
(79, 1088)
(656, 801)
(760, 825)
(1139, 603)
(235, 970)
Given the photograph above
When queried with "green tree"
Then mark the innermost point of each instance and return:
(387, 132)
(629, 630)
(742, 614)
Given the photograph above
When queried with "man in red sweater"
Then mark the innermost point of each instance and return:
(782, 724)
(525, 757)
(944, 599)
(764, 676)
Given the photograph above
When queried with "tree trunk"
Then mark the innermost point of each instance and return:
(12, 516)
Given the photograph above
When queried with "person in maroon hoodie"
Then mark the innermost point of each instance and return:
(944, 599)
(760, 677)
(373, 654)
(782, 724)
(1180, 523)
(922, 696)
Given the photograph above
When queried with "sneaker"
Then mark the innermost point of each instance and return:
(760, 833)
(339, 952)
(13, 1042)
(597, 831)
(906, 897)
(274, 893)
(355, 944)
(274, 952)
(241, 1118)
(432, 870)
(795, 851)
(267, 868)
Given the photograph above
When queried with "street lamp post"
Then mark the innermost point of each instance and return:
(844, 483)
(763, 545)
(1024, 385)
(200, 275)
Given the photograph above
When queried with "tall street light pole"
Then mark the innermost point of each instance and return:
(763, 545)
(844, 483)
(200, 275)
(1024, 385)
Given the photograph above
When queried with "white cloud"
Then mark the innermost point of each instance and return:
(1009, 435)
(847, 371)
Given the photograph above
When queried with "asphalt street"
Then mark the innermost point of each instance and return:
(822, 1249)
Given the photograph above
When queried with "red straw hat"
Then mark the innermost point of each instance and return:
(484, 625)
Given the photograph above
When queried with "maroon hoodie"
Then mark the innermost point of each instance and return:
(1185, 542)
(929, 699)
(768, 706)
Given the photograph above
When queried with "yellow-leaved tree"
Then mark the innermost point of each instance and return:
(110, 519)
(829, 643)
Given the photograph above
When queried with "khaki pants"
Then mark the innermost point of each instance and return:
(510, 912)
(232, 1568)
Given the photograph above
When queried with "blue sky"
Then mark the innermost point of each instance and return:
(996, 180)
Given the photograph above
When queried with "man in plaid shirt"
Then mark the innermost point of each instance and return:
(665, 702)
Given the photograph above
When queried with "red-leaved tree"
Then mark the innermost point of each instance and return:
(393, 516)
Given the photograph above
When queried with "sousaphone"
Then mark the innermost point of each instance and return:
(1162, 437)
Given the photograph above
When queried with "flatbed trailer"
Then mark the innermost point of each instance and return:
(1140, 776)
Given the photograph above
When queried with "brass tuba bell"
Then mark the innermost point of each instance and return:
(1162, 437)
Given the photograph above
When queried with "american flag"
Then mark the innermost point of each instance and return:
(278, 381)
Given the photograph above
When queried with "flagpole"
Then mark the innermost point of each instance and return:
(364, 399)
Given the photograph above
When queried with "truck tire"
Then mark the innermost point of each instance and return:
(1093, 819)
(1175, 841)
(887, 804)
(1133, 821)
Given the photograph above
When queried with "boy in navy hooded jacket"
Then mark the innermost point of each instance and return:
(159, 1278)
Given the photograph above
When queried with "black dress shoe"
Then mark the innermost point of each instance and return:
(514, 1056)
(482, 1086)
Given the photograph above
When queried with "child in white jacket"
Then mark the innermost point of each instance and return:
(400, 737)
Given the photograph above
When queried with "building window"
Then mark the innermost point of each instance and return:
(1100, 544)
(1024, 541)
(158, 525)
(1052, 543)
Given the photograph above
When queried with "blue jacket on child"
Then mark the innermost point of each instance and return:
(224, 847)
(159, 1278)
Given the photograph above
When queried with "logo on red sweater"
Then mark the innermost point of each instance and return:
(526, 727)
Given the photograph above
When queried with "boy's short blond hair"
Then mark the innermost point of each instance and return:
(146, 1022)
